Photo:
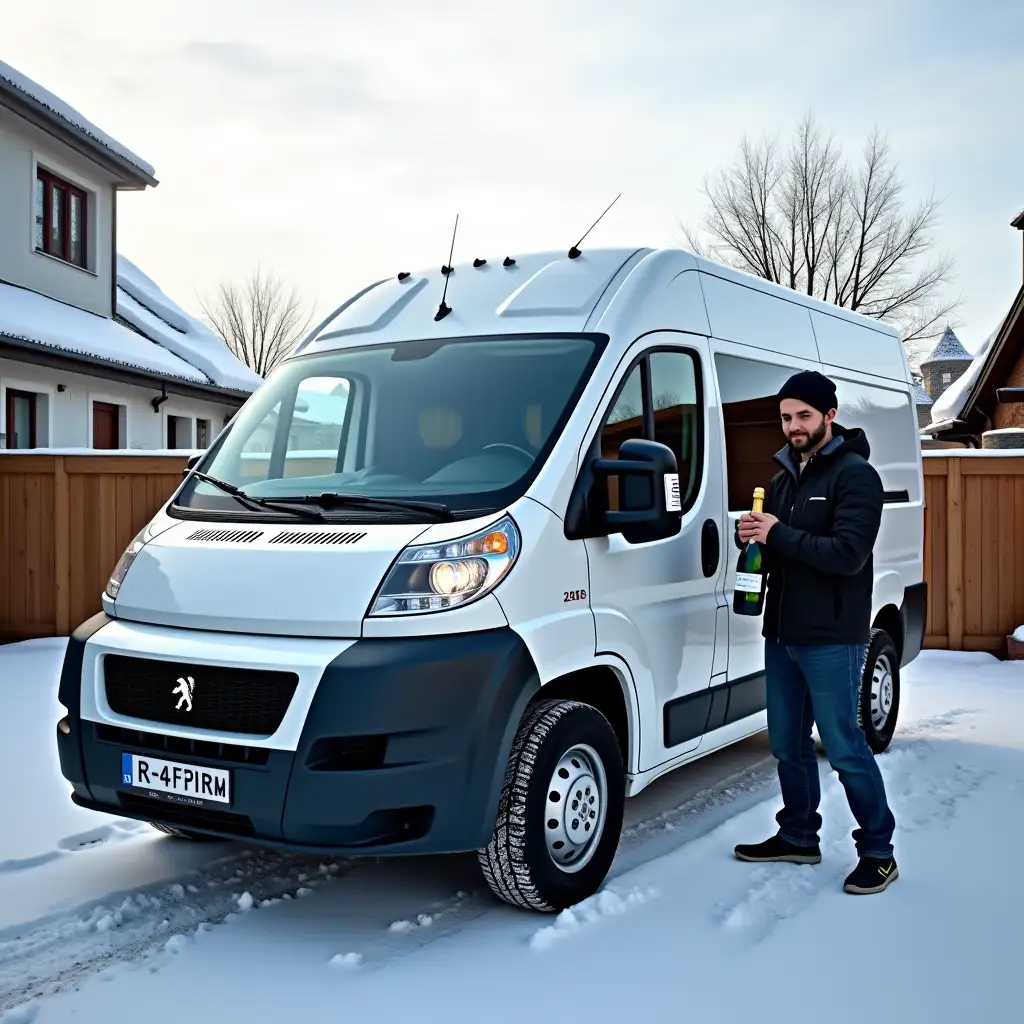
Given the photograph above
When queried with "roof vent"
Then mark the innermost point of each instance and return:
(316, 537)
(226, 536)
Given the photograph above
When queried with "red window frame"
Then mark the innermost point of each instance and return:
(64, 250)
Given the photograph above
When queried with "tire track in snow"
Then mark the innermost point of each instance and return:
(66, 950)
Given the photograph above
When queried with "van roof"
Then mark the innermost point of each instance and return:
(536, 293)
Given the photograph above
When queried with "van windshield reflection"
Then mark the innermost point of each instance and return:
(438, 427)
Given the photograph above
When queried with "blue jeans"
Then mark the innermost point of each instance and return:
(812, 683)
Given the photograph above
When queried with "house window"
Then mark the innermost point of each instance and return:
(60, 224)
(179, 432)
(202, 434)
(21, 419)
(947, 378)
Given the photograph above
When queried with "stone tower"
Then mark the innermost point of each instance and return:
(923, 403)
(947, 363)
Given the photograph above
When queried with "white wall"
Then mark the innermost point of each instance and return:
(22, 148)
(64, 418)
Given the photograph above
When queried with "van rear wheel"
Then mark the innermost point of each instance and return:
(560, 812)
(880, 691)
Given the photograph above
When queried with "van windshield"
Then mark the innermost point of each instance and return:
(464, 423)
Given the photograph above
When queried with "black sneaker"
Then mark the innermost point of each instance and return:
(871, 875)
(777, 849)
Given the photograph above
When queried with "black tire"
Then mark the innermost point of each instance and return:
(882, 655)
(184, 833)
(516, 863)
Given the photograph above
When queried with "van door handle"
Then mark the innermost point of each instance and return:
(709, 547)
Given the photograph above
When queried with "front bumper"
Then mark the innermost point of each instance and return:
(403, 750)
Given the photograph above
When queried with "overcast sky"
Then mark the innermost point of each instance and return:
(334, 140)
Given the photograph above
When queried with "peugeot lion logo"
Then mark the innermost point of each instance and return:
(185, 688)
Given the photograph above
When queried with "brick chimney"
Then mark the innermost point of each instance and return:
(1018, 223)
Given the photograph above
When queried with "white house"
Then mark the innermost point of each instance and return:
(92, 353)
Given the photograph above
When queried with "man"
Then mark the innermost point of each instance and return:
(821, 515)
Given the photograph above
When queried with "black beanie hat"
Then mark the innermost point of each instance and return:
(811, 387)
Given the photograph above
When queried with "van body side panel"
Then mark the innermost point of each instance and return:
(752, 317)
(546, 596)
(850, 346)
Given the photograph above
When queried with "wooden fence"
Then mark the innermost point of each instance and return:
(974, 549)
(65, 519)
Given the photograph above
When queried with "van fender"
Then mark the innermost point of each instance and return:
(888, 589)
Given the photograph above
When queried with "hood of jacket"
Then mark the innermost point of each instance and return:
(845, 440)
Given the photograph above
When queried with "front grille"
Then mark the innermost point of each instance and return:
(242, 700)
(182, 746)
(187, 817)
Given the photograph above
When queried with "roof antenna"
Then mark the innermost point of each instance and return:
(574, 252)
(443, 310)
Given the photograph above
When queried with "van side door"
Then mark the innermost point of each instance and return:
(656, 604)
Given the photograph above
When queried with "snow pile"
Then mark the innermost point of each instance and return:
(142, 303)
(588, 913)
(28, 316)
(1018, 634)
(951, 402)
(71, 116)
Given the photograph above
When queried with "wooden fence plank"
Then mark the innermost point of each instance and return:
(954, 556)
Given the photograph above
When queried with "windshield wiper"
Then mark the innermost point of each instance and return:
(257, 503)
(335, 499)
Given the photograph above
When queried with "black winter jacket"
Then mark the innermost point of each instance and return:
(819, 554)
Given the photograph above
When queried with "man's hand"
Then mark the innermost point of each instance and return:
(755, 526)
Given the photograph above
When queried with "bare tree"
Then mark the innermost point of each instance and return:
(258, 321)
(810, 221)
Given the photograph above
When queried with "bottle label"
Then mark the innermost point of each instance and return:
(749, 582)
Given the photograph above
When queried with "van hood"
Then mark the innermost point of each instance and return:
(283, 580)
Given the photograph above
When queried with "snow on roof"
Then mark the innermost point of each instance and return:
(921, 397)
(29, 316)
(951, 401)
(68, 114)
(949, 347)
(166, 340)
(141, 302)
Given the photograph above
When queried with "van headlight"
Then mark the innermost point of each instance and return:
(435, 577)
(139, 541)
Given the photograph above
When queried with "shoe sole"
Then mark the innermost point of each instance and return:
(861, 891)
(794, 858)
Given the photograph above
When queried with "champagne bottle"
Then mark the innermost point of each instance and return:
(748, 593)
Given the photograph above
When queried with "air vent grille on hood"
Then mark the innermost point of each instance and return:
(232, 536)
(320, 537)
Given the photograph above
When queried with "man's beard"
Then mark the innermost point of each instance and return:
(812, 439)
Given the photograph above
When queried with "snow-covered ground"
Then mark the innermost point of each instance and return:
(100, 920)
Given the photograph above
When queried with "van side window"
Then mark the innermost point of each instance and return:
(753, 426)
(658, 402)
(677, 420)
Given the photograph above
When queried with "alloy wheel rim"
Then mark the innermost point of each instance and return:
(575, 808)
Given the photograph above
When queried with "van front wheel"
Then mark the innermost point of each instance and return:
(560, 812)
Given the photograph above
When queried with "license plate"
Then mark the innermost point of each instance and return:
(180, 783)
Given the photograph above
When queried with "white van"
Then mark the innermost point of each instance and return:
(408, 601)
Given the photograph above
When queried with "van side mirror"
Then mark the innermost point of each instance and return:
(648, 498)
(193, 461)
